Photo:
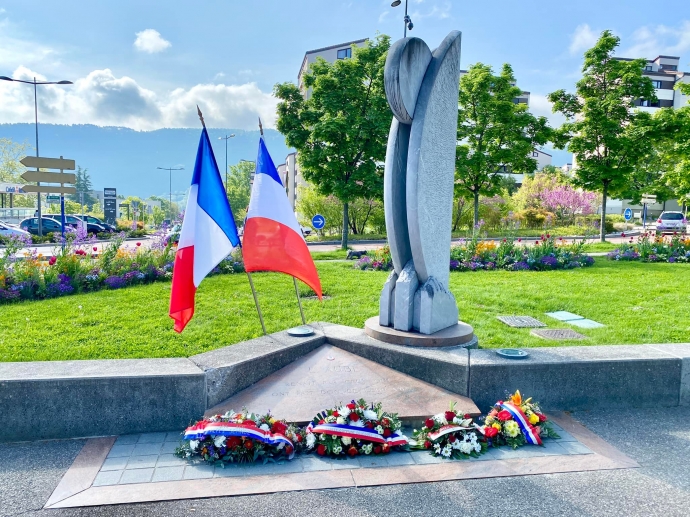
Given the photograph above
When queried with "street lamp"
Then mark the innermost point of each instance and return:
(36, 83)
(407, 19)
(170, 169)
(226, 138)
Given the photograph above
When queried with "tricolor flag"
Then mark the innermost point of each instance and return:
(208, 234)
(273, 239)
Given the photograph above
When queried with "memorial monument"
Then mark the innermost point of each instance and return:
(422, 91)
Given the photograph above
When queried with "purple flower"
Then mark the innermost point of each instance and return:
(521, 266)
(115, 282)
(549, 261)
(454, 264)
(672, 259)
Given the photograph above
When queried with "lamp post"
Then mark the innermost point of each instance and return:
(407, 19)
(170, 169)
(226, 138)
(36, 83)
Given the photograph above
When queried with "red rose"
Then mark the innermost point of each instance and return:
(427, 444)
(542, 237)
(351, 406)
(249, 444)
(321, 422)
(233, 442)
(490, 432)
(386, 432)
(321, 450)
(377, 449)
(450, 415)
(369, 425)
(520, 240)
(466, 416)
(542, 418)
(138, 244)
(386, 448)
(95, 248)
(504, 415)
(451, 438)
(352, 451)
(354, 417)
(336, 414)
(288, 450)
(298, 437)
(429, 424)
(385, 422)
(52, 261)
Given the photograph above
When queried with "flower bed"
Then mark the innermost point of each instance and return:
(651, 248)
(77, 268)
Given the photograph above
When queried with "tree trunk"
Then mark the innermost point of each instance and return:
(602, 229)
(476, 209)
(346, 224)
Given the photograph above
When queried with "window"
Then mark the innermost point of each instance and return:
(669, 67)
(657, 84)
(648, 68)
(535, 154)
(344, 53)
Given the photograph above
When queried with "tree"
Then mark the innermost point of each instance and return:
(340, 131)
(10, 155)
(496, 134)
(604, 130)
(165, 206)
(83, 184)
(239, 189)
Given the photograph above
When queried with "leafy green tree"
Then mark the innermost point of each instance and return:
(310, 202)
(83, 184)
(158, 215)
(604, 130)
(340, 131)
(496, 134)
(239, 189)
(165, 206)
(10, 155)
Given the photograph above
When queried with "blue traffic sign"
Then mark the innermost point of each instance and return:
(628, 214)
(318, 221)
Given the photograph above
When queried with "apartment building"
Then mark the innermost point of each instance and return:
(665, 75)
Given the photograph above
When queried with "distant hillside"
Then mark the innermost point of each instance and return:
(127, 159)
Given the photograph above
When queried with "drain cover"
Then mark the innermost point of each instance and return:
(512, 353)
(557, 334)
(521, 321)
(300, 331)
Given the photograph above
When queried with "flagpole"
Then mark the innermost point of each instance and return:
(299, 301)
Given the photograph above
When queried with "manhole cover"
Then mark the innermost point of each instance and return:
(300, 331)
(521, 321)
(558, 334)
(512, 353)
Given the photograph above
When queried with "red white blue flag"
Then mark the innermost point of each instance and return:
(208, 235)
(273, 239)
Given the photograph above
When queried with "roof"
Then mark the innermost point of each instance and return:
(666, 57)
(350, 43)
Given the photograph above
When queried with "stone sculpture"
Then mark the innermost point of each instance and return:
(422, 91)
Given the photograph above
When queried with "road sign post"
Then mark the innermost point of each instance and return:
(318, 221)
(628, 214)
(110, 205)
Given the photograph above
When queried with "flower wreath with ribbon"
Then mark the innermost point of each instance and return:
(242, 437)
(354, 429)
(450, 435)
(516, 422)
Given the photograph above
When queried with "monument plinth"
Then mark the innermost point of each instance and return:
(461, 334)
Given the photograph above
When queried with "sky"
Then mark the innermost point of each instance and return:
(146, 64)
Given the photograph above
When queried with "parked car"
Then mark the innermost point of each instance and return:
(8, 230)
(74, 222)
(173, 234)
(95, 220)
(306, 231)
(671, 222)
(49, 225)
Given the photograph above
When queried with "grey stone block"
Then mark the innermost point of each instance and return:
(231, 369)
(387, 301)
(315, 463)
(198, 471)
(447, 368)
(399, 458)
(170, 460)
(574, 447)
(167, 474)
(681, 351)
(147, 449)
(71, 399)
(114, 464)
(169, 447)
(127, 439)
(136, 476)
(368, 462)
(405, 289)
(152, 438)
(174, 436)
(107, 478)
(434, 308)
(141, 462)
(121, 451)
(230, 471)
(570, 378)
(426, 458)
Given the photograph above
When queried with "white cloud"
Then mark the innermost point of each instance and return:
(439, 10)
(582, 39)
(649, 42)
(150, 41)
(103, 99)
(540, 106)
(383, 16)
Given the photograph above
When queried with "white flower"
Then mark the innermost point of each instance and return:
(280, 446)
(340, 420)
(477, 447)
(358, 423)
(219, 441)
(337, 449)
(344, 411)
(265, 427)
(323, 436)
(379, 429)
(456, 420)
(446, 451)
(346, 440)
(466, 448)
(367, 448)
(370, 415)
(440, 418)
(330, 419)
(456, 444)
(311, 440)
(437, 447)
(193, 444)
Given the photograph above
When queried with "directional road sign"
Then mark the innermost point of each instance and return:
(49, 190)
(48, 163)
(49, 177)
(53, 199)
(318, 221)
(628, 214)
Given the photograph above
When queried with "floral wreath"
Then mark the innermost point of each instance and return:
(354, 429)
(517, 422)
(241, 438)
(450, 435)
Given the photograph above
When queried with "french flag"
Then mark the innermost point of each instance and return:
(273, 239)
(208, 235)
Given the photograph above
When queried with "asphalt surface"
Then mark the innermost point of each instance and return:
(658, 439)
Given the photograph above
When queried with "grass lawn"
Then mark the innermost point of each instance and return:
(638, 303)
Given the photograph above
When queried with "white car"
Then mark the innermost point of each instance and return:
(671, 222)
(7, 230)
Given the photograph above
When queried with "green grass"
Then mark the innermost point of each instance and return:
(597, 247)
(638, 303)
(329, 255)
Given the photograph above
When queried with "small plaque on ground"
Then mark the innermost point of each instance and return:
(521, 321)
(557, 334)
(585, 324)
(564, 316)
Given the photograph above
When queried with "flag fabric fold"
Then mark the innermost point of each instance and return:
(208, 234)
(273, 238)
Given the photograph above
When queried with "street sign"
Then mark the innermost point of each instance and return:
(49, 190)
(49, 177)
(648, 199)
(628, 214)
(53, 199)
(48, 163)
(318, 221)
(110, 209)
(109, 192)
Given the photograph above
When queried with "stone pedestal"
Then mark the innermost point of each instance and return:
(460, 334)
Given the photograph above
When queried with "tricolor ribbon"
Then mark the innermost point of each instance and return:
(203, 429)
(531, 435)
(357, 433)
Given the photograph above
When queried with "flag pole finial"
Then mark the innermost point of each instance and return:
(201, 117)
(261, 128)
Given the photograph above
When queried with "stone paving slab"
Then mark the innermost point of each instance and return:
(564, 316)
(585, 324)
(521, 321)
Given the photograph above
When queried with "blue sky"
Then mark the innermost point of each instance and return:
(146, 64)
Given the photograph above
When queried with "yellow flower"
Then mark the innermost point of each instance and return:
(516, 398)
(497, 426)
(533, 418)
